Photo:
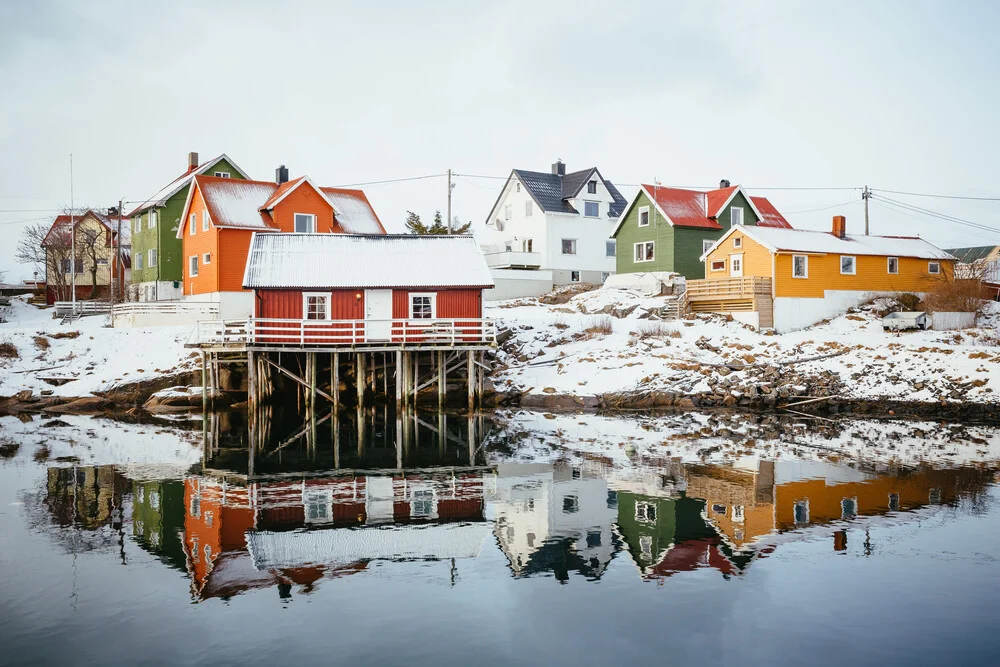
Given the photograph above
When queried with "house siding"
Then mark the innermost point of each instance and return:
(202, 242)
(725, 216)
(756, 258)
(688, 249)
(659, 231)
(304, 199)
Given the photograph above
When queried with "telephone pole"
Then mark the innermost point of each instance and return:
(450, 186)
(72, 237)
(866, 195)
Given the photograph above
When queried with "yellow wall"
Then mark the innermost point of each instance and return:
(872, 272)
(103, 252)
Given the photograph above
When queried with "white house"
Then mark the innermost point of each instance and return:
(550, 229)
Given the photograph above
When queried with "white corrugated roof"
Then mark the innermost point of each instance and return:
(353, 211)
(800, 240)
(321, 547)
(350, 261)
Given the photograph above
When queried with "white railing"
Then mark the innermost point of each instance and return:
(205, 308)
(81, 307)
(346, 333)
(507, 258)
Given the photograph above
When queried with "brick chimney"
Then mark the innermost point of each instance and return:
(192, 161)
(559, 168)
(839, 226)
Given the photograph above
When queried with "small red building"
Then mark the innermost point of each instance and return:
(378, 290)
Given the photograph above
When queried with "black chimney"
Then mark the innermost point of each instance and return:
(281, 175)
(559, 168)
(724, 184)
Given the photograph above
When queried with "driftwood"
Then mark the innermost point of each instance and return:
(740, 366)
(36, 370)
(811, 400)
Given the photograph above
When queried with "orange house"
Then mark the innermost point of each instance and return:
(221, 215)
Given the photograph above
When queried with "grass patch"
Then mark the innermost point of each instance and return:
(42, 453)
(65, 334)
(599, 326)
(656, 329)
(41, 342)
(8, 449)
(9, 351)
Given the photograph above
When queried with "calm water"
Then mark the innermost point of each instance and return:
(523, 539)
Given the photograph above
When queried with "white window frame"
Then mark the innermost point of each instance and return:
(804, 503)
(612, 246)
(327, 299)
(575, 276)
(805, 275)
(204, 220)
(596, 204)
(647, 257)
(137, 265)
(737, 241)
(888, 266)
(739, 516)
(854, 265)
(706, 245)
(732, 211)
(193, 224)
(151, 220)
(206, 258)
(736, 265)
(415, 295)
(193, 266)
(562, 247)
(713, 262)
(934, 268)
(642, 512)
(222, 174)
(644, 209)
(295, 222)
(151, 258)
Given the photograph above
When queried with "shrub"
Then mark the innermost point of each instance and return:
(41, 342)
(9, 351)
(601, 325)
(65, 334)
(955, 296)
(656, 329)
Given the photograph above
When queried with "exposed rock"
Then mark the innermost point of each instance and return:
(82, 406)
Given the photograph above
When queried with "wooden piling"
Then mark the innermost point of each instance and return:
(471, 381)
(204, 382)
(335, 380)
(442, 385)
(359, 378)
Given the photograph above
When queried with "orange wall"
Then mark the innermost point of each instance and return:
(234, 249)
(202, 242)
(304, 199)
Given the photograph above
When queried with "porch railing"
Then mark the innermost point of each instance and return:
(346, 333)
(727, 288)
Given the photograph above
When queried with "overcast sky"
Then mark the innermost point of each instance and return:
(896, 95)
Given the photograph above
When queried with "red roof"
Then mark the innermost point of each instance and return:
(693, 208)
(64, 221)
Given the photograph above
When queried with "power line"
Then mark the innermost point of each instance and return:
(28, 210)
(393, 180)
(935, 214)
(881, 204)
(937, 196)
(17, 222)
(825, 208)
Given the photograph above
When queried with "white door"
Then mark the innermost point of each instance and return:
(378, 314)
(736, 265)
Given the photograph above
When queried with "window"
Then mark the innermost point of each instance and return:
(644, 216)
(506, 212)
(101, 261)
(719, 265)
(527, 209)
(221, 174)
(193, 223)
(719, 509)
(645, 512)
(136, 261)
(569, 246)
(801, 514)
(610, 247)
(738, 513)
(644, 251)
(593, 539)
(571, 504)
(66, 266)
(934, 268)
(736, 266)
(316, 306)
(612, 500)
(151, 258)
(422, 503)
(318, 507)
(305, 223)
(193, 266)
(592, 188)
(735, 216)
(737, 241)
(204, 220)
(195, 508)
(934, 496)
(848, 508)
(423, 306)
(591, 209)
(151, 224)
(574, 276)
(518, 186)
(206, 258)
(706, 245)
(848, 265)
(892, 265)
(137, 224)
(646, 547)
(800, 266)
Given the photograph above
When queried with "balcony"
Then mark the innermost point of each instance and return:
(513, 259)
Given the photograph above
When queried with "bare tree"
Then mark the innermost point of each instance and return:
(47, 250)
(29, 246)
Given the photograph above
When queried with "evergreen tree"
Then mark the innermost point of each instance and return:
(438, 227)
(414, 225)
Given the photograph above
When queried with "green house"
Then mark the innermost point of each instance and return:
(668, 229)
(157, 262)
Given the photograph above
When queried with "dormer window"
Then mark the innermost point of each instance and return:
(591, 209)
(736, 216)
(222, 174)
(592, 187)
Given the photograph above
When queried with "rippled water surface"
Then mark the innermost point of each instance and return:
(519, 539)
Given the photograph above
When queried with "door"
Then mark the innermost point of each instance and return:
(378, 314)
(736, 265)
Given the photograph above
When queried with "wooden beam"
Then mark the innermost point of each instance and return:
(335, 378)
(359, 377)
(399, 379)
(471, 381)
(442, 385)
(297, 379)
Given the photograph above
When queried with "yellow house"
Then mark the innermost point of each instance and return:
(96, 253)
(792, 278)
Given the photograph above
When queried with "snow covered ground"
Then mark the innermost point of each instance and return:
(90, 355)
(553, 352)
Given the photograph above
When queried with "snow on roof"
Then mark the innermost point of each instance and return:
(271, 550)
(792, 240)
(63, 221)
(172, 188)
(770, 217)
(351, 261)
(353, 211)
(234, 203)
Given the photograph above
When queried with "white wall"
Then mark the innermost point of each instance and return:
(512, 284)
(232, 305)
(162, 290)
(948, 321)
(792, 313)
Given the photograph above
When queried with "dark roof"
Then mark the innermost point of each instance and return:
(971, 254)
(550, 191)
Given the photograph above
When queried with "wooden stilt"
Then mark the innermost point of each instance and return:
(335, 379)
(442, 386)
(399, 440)
(416, 377)
(362, 432)
(204, 383)
(472, 440)
(471, 381)
(336, 438)
(442, 433)
(359, 378)
(399, 381)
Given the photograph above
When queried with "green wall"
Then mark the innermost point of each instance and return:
(661, 531)
(170, 263)
(676, 249)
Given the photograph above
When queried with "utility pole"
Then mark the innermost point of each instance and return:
(120, 283)
(866, 195)
(72, 237)
(450, 186)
